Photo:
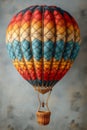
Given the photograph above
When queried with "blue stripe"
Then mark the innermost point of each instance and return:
(75, 51)
(59, 49)
(48, 49)
(25, 46)
(17, 50)
(37, 49)
(10, 51)
(67, 50)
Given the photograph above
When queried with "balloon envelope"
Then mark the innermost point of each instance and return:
(43, 42)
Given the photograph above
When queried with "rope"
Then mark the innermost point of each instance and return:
(42, 103)
(48, 100)
(39, 101)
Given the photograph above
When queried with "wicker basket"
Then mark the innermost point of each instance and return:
(43, 117)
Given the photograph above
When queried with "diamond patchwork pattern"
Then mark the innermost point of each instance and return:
(43, 42)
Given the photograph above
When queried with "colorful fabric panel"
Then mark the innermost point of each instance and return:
(43, 42)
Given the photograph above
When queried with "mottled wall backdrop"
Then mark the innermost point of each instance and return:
(18, 101)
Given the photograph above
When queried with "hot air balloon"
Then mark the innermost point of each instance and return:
(43, 42)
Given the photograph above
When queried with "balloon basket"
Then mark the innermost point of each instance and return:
(43, 117)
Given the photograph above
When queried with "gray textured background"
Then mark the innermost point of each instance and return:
(18, 101)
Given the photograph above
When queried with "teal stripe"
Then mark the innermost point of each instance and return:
(37, 49)
(48, 49)
(42, 83)
(59, 49)
(26, 50)
(75, 51)
(10, 51)
(68, 49)
(17, 49)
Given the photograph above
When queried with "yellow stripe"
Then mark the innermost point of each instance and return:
(38, 64)
(47, 65)
(30, 64)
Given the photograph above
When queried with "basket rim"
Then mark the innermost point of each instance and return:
(43, 112)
